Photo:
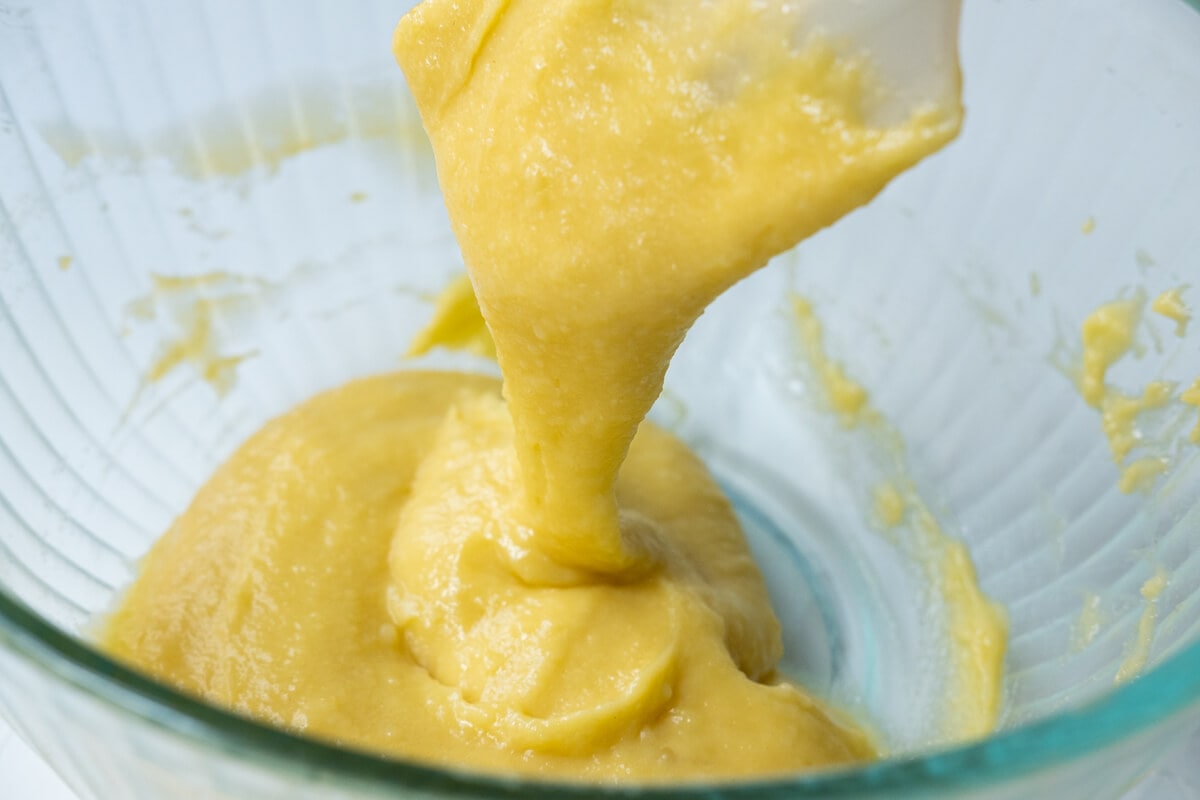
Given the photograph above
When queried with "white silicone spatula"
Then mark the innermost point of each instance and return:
(913, 45)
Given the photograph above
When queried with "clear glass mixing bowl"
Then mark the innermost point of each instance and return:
(211, 210)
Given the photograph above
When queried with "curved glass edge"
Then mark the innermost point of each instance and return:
(1172, 687)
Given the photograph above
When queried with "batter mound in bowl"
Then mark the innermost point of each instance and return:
(530, 578)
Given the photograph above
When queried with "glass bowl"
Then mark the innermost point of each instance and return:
(211, 210)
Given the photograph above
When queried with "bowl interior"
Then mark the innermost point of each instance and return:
(209, 212)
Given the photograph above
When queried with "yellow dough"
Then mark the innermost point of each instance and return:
(1170, 304)
(349, 573)
(609, 169)
(537, 584)
(1107, 334)
(456, 324)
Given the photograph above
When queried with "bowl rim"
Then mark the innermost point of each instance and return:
(1168, 689)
